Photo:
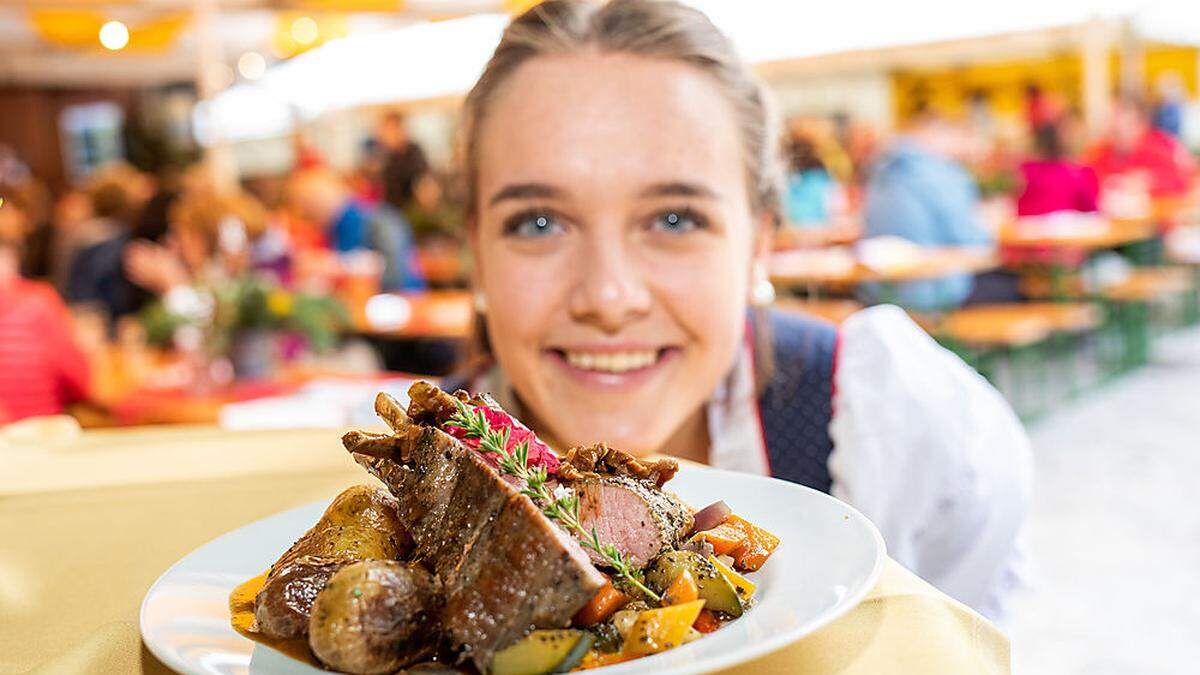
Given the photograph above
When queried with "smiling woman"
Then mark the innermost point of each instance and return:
(622, 173)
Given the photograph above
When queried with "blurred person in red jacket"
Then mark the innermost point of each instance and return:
(41, 368)
(1134, 146)
(1052, 181)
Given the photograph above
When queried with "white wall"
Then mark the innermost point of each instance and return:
(865, 96)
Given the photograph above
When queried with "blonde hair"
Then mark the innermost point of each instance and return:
(651, 28)
(204, 210)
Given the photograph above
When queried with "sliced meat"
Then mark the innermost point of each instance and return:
(524, 571)
(641, 521)
(504, 567)
(362, 523)
(600, 460)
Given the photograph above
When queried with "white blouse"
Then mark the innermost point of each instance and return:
(923, 446)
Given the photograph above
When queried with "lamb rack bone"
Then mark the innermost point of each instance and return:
(599, 461)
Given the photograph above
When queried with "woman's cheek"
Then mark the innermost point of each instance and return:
(706, 290)
(523, 293)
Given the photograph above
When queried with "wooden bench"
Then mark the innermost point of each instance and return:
(1024, 340)
(1149, 284)
(1016, 324)
(1132, 302)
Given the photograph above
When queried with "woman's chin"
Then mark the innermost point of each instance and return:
(627, 428)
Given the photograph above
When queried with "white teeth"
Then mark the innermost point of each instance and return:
(611, 362)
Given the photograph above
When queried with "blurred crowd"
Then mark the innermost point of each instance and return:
(79, 269)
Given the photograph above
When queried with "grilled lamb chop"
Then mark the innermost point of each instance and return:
(430, 405)
(601, 460)
(639, 520)
(504, 566)
(621, 496)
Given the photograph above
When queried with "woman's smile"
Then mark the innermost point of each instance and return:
(612, 366)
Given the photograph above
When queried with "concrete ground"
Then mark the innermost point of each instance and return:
(1116, 527)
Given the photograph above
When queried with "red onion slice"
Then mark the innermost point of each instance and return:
(711, 516)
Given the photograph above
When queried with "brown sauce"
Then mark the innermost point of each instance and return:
(241, 617)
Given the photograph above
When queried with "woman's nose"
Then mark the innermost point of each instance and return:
(611, 289)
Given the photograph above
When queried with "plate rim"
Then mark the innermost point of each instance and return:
(751, 651)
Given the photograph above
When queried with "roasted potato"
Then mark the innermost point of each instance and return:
(360, 524)
(375, 617)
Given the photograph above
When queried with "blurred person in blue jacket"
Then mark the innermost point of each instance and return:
(917, 191)
(810, 191)
(322, 198)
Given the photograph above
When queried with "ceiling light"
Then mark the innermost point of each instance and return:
(114, 35)
(252, 65)
(305, 30)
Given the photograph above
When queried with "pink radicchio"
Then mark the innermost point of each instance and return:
(540, 454)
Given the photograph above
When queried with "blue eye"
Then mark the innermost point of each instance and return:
(532, 225)
(676, 222)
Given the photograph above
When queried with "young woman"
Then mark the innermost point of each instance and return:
(622, 183)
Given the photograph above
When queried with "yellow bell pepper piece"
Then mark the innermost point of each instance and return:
(744, 587)
(657, 630)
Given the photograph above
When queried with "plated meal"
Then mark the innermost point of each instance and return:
(486, 552)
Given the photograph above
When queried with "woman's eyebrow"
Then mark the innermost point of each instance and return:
(679, 189)
(525, 191)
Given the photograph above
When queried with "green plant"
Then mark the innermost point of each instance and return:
(223, 311)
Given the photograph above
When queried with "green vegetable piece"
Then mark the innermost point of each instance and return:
(718, 594)
(542, 652)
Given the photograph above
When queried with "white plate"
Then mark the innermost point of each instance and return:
(830, 556)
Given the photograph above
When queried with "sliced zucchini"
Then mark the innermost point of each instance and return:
(744, 587)
(542, 652)
(716, 591)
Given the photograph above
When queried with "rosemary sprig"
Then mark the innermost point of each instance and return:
(560, 505)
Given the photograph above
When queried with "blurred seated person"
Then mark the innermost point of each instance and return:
(812, 193)
(71, 210)
(212, 235)
(1134, 146)
(404, 164)
(1171, 106)
(1052, 181)
(918, 192)
(321, 198)
(117, 193)
(37, 244)
(41, 368)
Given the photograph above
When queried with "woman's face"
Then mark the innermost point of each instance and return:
(615, 242)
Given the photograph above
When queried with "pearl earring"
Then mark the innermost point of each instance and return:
(480, 302)
(763, 292)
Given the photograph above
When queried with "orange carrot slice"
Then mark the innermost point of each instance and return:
(603, 604)
(682, 589)
(757, 547)
(724, 538)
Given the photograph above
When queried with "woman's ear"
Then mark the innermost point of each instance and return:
(762, 292)
(764, 238)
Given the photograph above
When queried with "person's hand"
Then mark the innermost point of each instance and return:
(154, 267)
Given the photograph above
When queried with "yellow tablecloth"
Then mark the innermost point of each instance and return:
(87, 524)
